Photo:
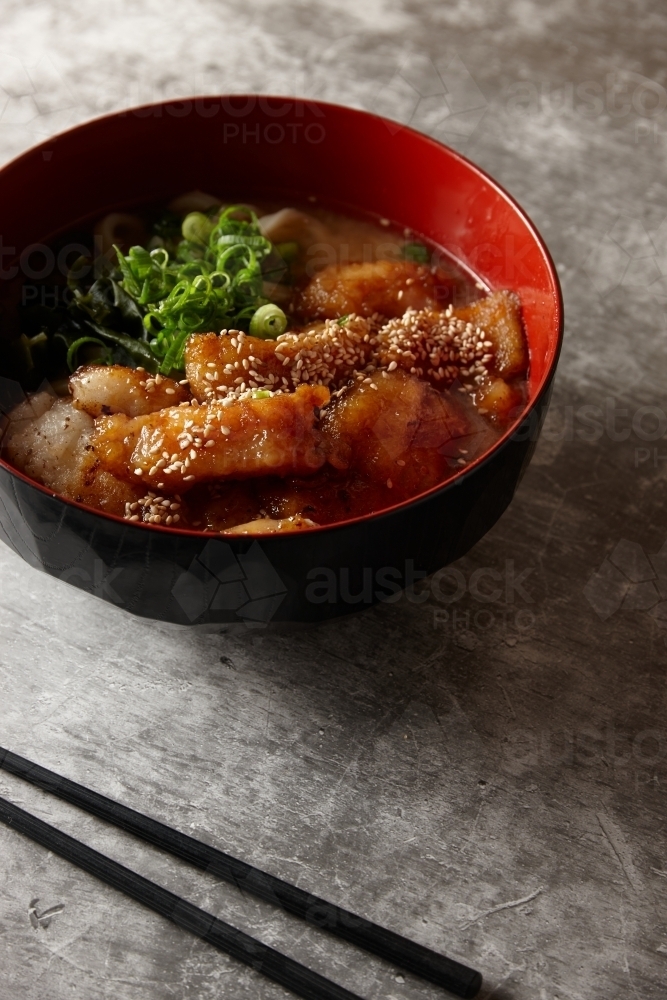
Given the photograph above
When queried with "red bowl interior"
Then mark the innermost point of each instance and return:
(248, 146)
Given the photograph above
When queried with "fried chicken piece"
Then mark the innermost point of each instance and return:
(498, 400)
(46, 439)
(326, 497)
(499, 316)
(388, 287)
(50, 441)
(185, 445)
(214, 363)
(396, 430)
(102, 389)
(216, 506)
(443, 346)
(326, 353)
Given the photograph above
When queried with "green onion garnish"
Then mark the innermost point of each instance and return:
(197, 227)
(268, 322)
(74, 348)
(216, 281)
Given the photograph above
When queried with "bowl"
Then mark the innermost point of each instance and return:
(248, 147)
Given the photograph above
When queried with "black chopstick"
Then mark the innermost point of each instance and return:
(296, 977)
(445, 972)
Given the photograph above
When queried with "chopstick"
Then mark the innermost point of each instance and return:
(446, 972)
(271, 963)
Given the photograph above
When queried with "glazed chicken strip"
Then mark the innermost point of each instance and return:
(396, 430)
(499, 315)
(325, 353)
(388, 287)
(466, 343)
(102, 389)
(181, 446)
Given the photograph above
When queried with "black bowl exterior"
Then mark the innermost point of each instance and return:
(299, 578)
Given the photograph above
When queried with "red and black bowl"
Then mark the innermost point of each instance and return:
(251, 147)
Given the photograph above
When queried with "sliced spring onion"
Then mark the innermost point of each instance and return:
(268, 322)
(214, 281)
(197, 227)
(74, 348)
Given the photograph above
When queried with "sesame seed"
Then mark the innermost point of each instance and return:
(138, 472)
(187, 479)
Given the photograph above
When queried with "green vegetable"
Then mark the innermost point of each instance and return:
(213, 272)
(418, 253)
(74, 348)
(215, 282)
(138, 351)
(197, 227)
(268, 322)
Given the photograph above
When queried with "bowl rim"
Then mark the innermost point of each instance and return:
(426, 495)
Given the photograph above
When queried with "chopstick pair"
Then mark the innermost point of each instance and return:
(401, 952)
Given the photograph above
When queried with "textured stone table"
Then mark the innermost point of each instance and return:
(487, 775)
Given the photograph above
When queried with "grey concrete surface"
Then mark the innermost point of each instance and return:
(485, 773)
